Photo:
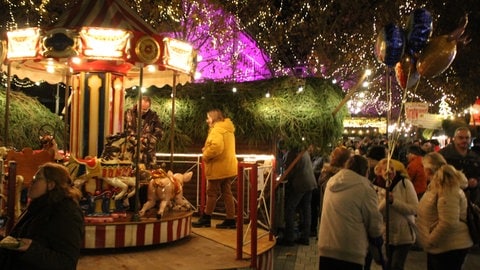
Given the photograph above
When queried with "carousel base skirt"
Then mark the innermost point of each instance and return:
(204, 248)
(123, 231)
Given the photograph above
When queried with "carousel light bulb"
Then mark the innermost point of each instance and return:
(50, 68)
(267, 95)
(197, 75)
(234, 89)
(151, 68)
(144, 89)
(76, 60)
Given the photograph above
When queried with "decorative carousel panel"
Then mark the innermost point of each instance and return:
(147, 49)
(23, 43)
(60, 43)
(105, 43)
(179, 55)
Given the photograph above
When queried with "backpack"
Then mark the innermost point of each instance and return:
(473, 221)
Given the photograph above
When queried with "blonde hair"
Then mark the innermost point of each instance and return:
(446, 179)
(433, 161)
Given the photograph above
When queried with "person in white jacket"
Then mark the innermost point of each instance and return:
(403, 203)
(350, 216)
(442, 214)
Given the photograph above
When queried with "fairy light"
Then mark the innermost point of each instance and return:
(213, 28)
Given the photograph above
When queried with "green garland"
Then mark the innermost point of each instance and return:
(300, 118)
(26, 118)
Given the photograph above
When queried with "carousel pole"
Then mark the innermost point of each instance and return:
(172, 122)
(136, 216)
(66, 137)
(7, 103)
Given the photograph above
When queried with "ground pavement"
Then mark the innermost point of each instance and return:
(301, 257)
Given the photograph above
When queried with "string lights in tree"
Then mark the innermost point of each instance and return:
(328, 39)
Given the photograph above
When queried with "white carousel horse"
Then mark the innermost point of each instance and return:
(168, 189)
(112, 169)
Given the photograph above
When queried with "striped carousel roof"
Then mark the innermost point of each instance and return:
(103, 13)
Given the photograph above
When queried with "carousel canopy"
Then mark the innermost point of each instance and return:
(99, 36)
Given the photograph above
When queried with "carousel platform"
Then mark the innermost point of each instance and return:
(119, 231)
(203, 248)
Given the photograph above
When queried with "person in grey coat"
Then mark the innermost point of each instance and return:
(298, 194)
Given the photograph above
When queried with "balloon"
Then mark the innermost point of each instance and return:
(437, 56)
(390, 45)
(440, 52)
(419, 30)
(406, 69)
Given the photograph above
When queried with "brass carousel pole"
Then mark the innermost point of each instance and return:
(136, 216)
(66, 137)
(172, 122)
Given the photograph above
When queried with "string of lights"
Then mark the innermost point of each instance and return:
(277, 26)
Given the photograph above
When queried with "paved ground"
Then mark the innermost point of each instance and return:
(301, 257)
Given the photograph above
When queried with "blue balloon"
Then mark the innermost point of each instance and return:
(419, 30)
(390, 45)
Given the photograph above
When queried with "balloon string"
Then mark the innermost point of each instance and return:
(390, 135)
(395, 134)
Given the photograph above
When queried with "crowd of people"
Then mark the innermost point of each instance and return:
(375, 200)
(361, 200)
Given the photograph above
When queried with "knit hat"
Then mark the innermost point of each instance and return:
(416, 150)
(376, 152)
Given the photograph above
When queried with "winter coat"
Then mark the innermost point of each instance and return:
(56, 230)
(401, 222)
(151, 131)
(441, 221)
(469, 164)
(349, 216)
(417, 175)
(218, 153)
(301, 179)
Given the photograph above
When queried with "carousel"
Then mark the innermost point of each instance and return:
(99, 49)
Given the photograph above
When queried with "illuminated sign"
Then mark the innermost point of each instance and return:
(414, 110)
(105, 43)
(23, 43)
(179, 55)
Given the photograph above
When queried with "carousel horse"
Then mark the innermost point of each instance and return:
(113, 170)
(168, 189)
(49, 144)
